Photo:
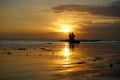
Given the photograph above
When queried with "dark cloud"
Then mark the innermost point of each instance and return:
(112, 10)
(109, 27)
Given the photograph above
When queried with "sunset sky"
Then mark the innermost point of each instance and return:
(54, 19)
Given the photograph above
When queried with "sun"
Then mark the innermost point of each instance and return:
(66, 28)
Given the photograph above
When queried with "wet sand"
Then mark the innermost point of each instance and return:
(59, 61)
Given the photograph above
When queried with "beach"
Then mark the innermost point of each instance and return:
(56, 60)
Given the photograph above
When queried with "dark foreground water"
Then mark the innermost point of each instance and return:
(38, 60)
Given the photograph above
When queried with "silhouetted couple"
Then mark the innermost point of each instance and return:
(71, 38)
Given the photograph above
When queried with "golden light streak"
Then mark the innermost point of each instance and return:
(66, 52)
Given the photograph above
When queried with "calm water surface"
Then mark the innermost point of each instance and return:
(38, 60)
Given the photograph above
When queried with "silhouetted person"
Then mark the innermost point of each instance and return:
(71, 38)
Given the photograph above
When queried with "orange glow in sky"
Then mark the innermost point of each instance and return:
(46, 19)
(66, 28)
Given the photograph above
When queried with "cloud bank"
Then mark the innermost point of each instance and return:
(111, 10)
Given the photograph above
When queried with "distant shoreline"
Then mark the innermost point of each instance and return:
(87, 40)
(62, 40)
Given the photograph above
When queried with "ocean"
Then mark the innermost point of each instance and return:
(57, 60)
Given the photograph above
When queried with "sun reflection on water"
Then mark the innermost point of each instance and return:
(67, 61)
(66, 52)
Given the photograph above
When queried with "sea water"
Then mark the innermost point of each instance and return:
(56, 60)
